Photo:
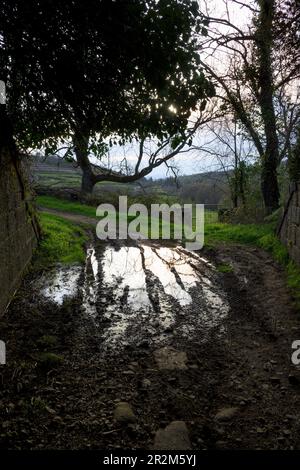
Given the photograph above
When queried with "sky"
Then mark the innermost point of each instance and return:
(194, 161)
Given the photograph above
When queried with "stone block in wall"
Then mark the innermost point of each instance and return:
(3, 202)
(297, 195)
(295, 254)
(20, 216)
(283, 231)
(296, 219)
(290, 226)
(291, 234)
(297, 242)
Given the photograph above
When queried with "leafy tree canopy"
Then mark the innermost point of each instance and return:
(99, 68)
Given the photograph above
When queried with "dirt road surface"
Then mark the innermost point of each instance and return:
(161, 331)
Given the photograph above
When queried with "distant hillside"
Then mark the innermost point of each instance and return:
(53, 164)
(56, 173)
(203, 188)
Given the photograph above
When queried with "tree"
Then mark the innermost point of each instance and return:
(84, 75)
(231, 152)
(254, 84)
(264, 42)
(287, 26)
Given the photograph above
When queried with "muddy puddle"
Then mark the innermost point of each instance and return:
(143, 294)
(60, 284)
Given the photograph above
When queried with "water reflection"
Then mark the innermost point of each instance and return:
(123, 269)
(143, 291)
(90, 288)
(161, 262)
(61, 284)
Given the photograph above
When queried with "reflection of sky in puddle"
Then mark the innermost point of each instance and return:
(160, 262)
(123, 268)
(93, 260)
(90, 288)
(212, 299)
(61, 284)
(127, 274)
(126, 269)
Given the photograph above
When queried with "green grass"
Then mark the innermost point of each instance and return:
(62, 242)
(262, 236)
(51, 202)
(59, 179)
(249, 234)
(47, 341)
(225, 268)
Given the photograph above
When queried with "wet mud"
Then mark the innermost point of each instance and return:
(163, 330)
(141, 294)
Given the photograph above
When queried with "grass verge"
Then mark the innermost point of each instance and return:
(51, 202)
(262, 236)
(62, 242)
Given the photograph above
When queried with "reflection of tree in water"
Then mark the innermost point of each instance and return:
(124, 268)
(178, 264)
(151, 286)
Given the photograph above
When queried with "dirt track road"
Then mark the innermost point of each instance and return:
(78, 218)
(177, 341)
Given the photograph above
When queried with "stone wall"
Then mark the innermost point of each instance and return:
(289, 227)
(18, 229)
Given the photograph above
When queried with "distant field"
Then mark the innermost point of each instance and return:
(58, 180)
(66, 179)
(57, 174)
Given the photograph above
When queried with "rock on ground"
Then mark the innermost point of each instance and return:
(225, 414)
(174, 437)
(123, 413)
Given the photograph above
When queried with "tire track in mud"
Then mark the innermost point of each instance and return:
(243, 368)
(171, 289)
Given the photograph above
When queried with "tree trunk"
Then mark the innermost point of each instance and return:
(80, 141)
(236, 171)
(269, 186)
(270, 161)
(235, 200)
(234, 195)
(242, 186)
(87, 182)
